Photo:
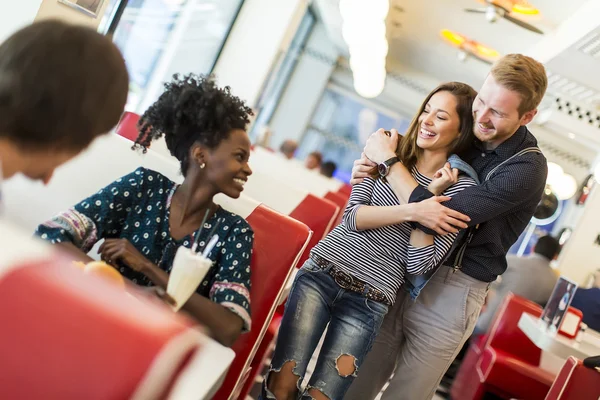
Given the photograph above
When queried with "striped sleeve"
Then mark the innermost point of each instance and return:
(360, 196)
(422, 259)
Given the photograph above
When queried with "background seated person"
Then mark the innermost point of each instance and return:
(313, 160)
(144, 217)
(328, 169)
(588, 302)
(288, 148)
(530, 277)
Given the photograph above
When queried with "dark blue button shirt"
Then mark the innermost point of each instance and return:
(502, 205)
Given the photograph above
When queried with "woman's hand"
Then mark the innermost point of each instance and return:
(443, 179)
(156, 292)
(381, 145)
(113, 250)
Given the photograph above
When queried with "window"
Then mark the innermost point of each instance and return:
(161, 37)
(340, 126)
(281, 74)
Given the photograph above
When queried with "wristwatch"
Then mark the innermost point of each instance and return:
(384, 167)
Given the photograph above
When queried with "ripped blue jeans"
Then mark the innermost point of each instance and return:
(354, 321)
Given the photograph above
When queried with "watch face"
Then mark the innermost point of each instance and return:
(382, 169)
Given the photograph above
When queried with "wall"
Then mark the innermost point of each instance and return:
(580, 255)
(54, 9)
(262, 30)
(16, 14)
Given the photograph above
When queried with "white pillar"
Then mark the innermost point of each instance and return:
(581, 254)
(15, 15)
(263, 29)
(54, 9)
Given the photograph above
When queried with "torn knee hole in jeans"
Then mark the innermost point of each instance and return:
(346, 365)
(288, 365)
(316, 393)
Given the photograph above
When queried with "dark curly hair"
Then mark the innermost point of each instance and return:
(192, 109)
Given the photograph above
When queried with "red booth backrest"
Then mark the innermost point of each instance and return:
(127, 126)
(575, 382)
(345, 190)
(67, 335)
(341, 202)
(505, 334)
(320, 215)
(279, 241)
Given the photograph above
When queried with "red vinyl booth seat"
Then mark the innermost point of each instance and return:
(341, 202)
(279, 241)
(66, 335)
(504, 361)
(127, 126)
(575, 382)
(319, 215)
(345, 190)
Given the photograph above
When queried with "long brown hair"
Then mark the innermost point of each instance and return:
(408, 152)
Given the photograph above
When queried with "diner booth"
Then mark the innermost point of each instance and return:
(70, 333)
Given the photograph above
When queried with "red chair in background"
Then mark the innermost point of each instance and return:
(319, 215)
(127, 126)
(341, 201)
(504, 361)
(345, 190)
(575, 382)
(279, 241)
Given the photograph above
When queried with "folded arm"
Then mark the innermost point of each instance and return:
(515, 183)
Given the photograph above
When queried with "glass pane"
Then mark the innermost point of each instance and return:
(183, 36)
(339, 128)
(281, 74)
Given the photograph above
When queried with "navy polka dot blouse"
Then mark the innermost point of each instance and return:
(136, 207)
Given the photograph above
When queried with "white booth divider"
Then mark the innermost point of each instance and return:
(292, 173)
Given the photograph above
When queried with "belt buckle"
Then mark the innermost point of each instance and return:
(343, 279)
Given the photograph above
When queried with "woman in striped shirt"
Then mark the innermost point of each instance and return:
(353, 274)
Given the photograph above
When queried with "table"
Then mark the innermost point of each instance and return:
(206, 372)
(557, 348)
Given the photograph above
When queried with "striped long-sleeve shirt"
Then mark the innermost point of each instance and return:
(382, 256)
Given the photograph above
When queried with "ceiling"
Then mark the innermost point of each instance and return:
(570, 50)
(414, 34)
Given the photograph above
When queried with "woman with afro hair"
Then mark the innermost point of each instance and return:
(144, 217)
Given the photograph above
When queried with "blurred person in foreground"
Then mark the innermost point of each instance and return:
(530, 277)
(61, 86)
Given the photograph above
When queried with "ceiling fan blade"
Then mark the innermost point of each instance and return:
(476, 10)
(523, 24)
(478, 57)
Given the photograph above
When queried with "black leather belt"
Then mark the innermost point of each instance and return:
(349, 282)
